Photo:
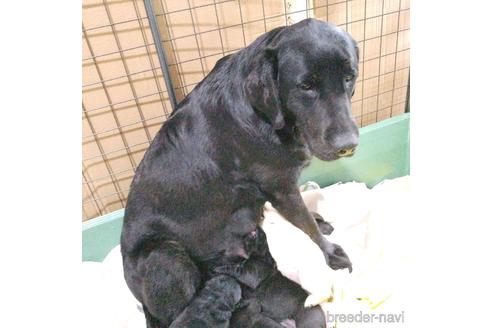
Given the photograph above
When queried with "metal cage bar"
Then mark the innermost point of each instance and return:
(160, 52)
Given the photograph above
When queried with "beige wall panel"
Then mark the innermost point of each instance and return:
(186, 49)
(398, 109)
(356, 30)
(180, 23)
(356, 10)
(405, 19)
(121, 10)
(337, 13)
(252, 10)
(388, 45)
(94, 14)
(253, 30)
(391, 6)
(405, 4)
(233, 38)
(390, 23)
(357, 108)
(275, 22)
(370, 87)
(319, 10)
(403, 59)
(171, 5)
(400, 96)
(372, 49)
(383, 114)
(385, 100)
(386, 82)
(368, 118)
(401, 77)
(371, 68)
(274, 8)
(229, 13)
(374, 8)
(373, 27)
(370, 104)
(210, 44)
(387, 64)
(403, 40)
(205, 19)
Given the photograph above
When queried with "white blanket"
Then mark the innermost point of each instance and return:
(372, 226)
(106, 299)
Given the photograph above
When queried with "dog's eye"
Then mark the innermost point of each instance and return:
(349, 78)
(306, 86)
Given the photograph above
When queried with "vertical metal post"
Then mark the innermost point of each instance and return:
(156, 35)
(407, 103)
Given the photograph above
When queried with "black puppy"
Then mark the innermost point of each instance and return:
(213, 306)
(239, 139)
(274, 301)
(269, 298)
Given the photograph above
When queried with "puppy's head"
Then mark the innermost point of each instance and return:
(241, 237)
(224, 294)
(256, 243)
(241, 247)
(302, 79)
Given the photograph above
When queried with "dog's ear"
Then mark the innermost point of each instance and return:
(261, 87)
(357, 53)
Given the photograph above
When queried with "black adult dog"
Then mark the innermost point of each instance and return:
(240, 138)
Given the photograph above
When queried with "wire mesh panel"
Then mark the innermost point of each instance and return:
(125, 100)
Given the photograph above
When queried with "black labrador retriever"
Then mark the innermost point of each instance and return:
(239, 139)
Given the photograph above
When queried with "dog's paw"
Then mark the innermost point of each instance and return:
(317, 217)
(335, 257)
(325, 227)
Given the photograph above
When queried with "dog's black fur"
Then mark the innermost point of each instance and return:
(240, 138)
(213, 306)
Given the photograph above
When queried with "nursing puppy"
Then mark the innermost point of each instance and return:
(273, 302)
(269, 298)
(213, 306)
(239, 139)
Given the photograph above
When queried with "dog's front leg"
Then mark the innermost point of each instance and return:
(291, 206)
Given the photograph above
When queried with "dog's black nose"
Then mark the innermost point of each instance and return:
(346, 152)
(344, 144)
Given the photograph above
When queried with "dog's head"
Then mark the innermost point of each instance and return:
(302, 79)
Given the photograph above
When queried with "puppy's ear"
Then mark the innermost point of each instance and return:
(254, 272)
(261, 88)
